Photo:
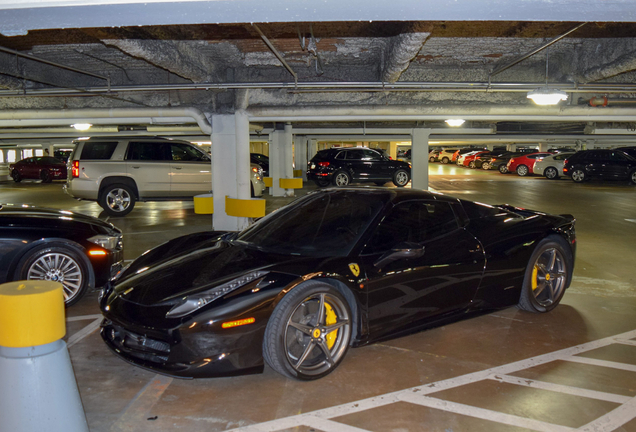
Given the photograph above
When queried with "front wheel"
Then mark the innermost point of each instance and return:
(547, 275)
(503, 169)
(117, 200)
(632, 177)
(471, 164)
(522, 170)
(15, 175)
(341, 178)
(45, 176)
(308, 333)
(431, 159)
(551, 173)
(486, 166)
(445, 160)
(578, 175)
(58, 264)
(401, 178)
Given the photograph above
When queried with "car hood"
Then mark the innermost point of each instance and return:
(196, 263)
(28, 215)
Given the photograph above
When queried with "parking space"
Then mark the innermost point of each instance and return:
(570, 369)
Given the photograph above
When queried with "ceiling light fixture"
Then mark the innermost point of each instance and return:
(544, 95)
(82, 126)
(455, 122)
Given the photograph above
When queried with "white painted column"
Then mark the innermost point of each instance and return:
(543, 147)
(276, 138)
(230, 167)
(312, 149)
(300, 155)
(419, 158)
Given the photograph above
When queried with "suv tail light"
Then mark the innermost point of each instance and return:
(75, 169)
(323, 164)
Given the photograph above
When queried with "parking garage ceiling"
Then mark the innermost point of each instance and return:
(218, 56)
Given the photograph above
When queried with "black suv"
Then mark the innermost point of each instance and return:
(607, 164)
(342, 166)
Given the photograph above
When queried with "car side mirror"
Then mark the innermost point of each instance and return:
(403, 250)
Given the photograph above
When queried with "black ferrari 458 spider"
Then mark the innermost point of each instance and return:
(334, 269)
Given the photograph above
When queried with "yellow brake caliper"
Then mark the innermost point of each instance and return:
(535, 272)
(330, 318)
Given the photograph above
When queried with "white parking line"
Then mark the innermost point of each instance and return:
(419, 395)
(76, 337)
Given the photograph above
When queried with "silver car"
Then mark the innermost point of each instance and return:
(551, 166)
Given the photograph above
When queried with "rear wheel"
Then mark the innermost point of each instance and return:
(341, 178)
(547, 275)
(522, 170)
(486, 166)
(117, 200)
(400, 178)
(632, 177)
(551, 173)
(431, 159)
(15, 175)
(578, 175)
(308, 333)
(45, 176)
(444, 160)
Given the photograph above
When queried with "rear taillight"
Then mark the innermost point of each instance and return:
(323, 164)
(75, 169)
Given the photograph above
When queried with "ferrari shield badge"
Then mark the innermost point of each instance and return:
(355, 269)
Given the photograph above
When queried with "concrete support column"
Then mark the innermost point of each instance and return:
(393, 149)
(419, 158)
(230, 167)
(300, 155)
(490, 147)
(281, 160)
(312, 149)
(543, 147)
(511, 147)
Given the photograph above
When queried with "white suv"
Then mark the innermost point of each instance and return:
(117, 172)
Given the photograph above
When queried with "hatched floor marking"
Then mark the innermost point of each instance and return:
(86, 331)
(625, 412)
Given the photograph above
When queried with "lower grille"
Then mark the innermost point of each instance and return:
(138, 345)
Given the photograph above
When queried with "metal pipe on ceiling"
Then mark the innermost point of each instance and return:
(278, 55)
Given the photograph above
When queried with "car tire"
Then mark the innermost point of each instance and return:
(401, 178)
(632, 177)
(297, 342)
(578, 175)
(551, 173)
(471, 164)
(547, 275)
(15, 175)
(444, 160)
(58, 263)
(117, 200)
(431, 159)
(486, 166)
(322, 183)
(503, 169)
(341, 178)
(252, 190)
(522, 170)
(45, 176)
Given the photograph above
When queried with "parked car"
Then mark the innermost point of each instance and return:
(336, 268)
(605, 164)
(433, 155)
(551, 166)
(343, 166)
(43, 168)
(462, 157)
(464, 151)
(470, 160)
(117, 172)
(631, 151)
(446, 155)
(262, 161)
(523, 164)
(79, 251)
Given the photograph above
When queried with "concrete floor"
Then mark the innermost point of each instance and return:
(506, 371)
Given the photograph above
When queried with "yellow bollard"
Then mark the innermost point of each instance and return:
(37, 385)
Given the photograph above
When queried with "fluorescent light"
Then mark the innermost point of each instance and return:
(83, 138)
(82, 126)
(545, 96)
(455, 122)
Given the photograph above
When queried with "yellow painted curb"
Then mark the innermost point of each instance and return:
(31, 313)
(269, 182)
(292, 183)
(204, 204)
(252, 208)
(298, 173)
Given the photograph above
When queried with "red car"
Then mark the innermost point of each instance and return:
(471, 159)
(522, 165)
(43, 168)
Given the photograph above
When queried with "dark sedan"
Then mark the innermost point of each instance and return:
(43, 168)
(335, 268)
(77, 250)
(343, 166)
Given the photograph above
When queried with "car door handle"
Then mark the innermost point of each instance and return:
(177, 168)
(136, 167)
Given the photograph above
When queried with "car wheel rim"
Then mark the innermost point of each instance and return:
(522, 170)
(577, 175)
(634, 177)
(316, 334)
(550, 173)
(548, 277)
(402, 178)
(486, 166)
(118, 200)
(342, 180)
(58, 267)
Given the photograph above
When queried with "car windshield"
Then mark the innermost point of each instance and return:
(322, 224)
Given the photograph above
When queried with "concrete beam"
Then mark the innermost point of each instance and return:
(624, 63)
(403, 48)
(10, 83)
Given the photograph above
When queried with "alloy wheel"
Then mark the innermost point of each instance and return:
(551, 173)
(58, 267)
(401, 178)
(317, 333)
(549, 276)
(342, 179)
(118, 199)
(578, 176)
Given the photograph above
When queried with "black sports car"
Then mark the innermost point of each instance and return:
(335, 268)
(77, 250)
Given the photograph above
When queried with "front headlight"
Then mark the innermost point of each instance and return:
(106, 241)
(196, 301)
